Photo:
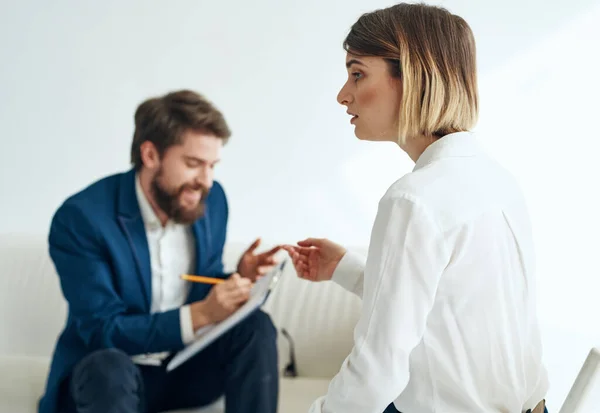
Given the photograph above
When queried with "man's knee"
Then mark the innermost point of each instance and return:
(103, 371)
(261, 323)
(257, 329)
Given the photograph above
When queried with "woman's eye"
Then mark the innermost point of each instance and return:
(357, 75)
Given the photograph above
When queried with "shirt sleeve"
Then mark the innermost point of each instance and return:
(349, 273)
(407, 255)
(187, 327)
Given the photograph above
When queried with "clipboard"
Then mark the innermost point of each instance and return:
(207, 335)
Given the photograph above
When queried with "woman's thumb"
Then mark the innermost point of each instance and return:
(311, 242)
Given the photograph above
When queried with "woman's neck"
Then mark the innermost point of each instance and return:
(415, 147)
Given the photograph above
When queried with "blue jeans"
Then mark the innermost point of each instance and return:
(242, 365)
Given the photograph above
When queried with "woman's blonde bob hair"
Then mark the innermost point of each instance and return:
(433, 53)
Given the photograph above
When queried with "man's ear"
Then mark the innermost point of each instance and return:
(149, 154)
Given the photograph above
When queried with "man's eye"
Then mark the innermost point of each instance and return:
(357, 75)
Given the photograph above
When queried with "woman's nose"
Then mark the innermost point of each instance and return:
(343, 97)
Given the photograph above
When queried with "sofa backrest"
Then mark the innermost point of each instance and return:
(320, 317)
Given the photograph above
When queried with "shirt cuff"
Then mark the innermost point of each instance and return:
(317, 406)
(349, 272)
(185, 320)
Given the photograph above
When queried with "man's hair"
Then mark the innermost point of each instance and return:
(433, 53)
(163, 120)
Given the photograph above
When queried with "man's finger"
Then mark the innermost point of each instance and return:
(263, 269)
(273, 250)
(254, 245)
(267, 261)
(236, 281)
(268, 257)
(237, 298)
(243, 285)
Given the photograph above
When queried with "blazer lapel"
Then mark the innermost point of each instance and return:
(132, 224)
(202, 238)
(201, 244)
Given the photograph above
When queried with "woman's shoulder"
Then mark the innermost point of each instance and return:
(412, 186)
(403, 191)
(430, 190)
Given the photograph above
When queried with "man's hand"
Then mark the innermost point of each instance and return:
(222, 300)
(252, 266)
(315, 259)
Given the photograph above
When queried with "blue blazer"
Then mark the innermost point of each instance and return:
(98, 244)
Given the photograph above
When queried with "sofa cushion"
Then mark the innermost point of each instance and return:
(23, 378)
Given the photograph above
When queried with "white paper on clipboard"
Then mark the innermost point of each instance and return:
(205, 336)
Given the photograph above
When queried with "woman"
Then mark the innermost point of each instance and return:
(448, 321)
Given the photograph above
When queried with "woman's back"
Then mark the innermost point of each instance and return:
(481, 347)
(448, 317)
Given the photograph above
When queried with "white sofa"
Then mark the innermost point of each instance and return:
(320, 317)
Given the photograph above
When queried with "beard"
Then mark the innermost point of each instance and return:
(168, 200)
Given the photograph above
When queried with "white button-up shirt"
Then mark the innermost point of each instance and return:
(448, 323)
(172, 253)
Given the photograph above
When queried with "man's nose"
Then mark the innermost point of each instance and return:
(205, 177)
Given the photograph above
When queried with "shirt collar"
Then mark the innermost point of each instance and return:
(148, 215)
(458, 144)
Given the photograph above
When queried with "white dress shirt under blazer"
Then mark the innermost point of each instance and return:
(172, 253)
(448, 323)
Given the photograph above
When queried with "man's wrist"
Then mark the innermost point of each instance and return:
(200, 315)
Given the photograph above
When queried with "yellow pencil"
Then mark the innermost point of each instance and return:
(202, 279)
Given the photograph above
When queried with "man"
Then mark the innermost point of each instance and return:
(119, 247)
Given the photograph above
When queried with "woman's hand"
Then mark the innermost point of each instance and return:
(315, 259)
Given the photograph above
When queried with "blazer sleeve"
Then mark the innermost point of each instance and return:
(101, 317)
(219, 212)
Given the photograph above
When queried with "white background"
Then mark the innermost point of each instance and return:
(72, 73)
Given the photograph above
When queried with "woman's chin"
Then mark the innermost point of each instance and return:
(360, 134)
(365, 136)
(383, 136)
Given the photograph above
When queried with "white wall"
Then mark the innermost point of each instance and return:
(72, 73)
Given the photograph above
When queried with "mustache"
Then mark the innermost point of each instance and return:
(195, 187)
